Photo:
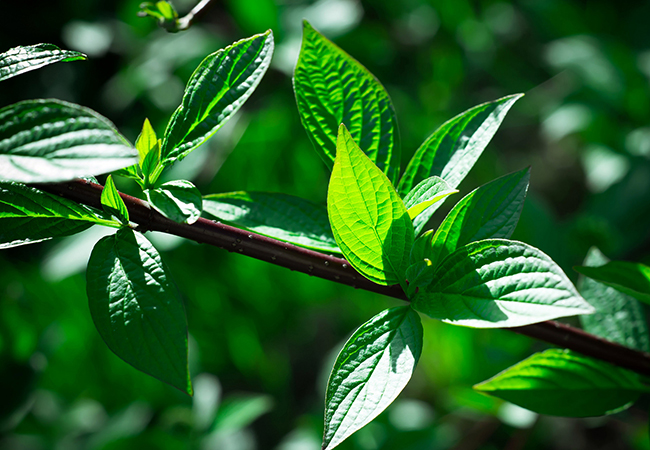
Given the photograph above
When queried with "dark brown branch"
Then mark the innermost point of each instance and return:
(332, 268)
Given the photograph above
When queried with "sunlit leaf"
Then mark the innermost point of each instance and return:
(28, 215)
(332, 88)
(373, 367)
(51, 140)
(618, 317)
(451, 151)
(136, 309)
(497, 283)
(368, 218)
(217, 89)
(113, 203)
(565, 383)
(22, 59)
(427, 195)
(177, 200)
(491, 211)
(280, 216)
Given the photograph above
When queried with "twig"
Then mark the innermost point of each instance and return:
(331, 268)
(186, 21)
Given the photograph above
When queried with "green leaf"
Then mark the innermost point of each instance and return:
(284, 217)
(177, 200)
(51, 140)
(565, 383)
(491, 211)
(113, 203)
(146, 141)
(618, 317)
(332, 88)
(368, 218)
(427, 194)
(451, 151)
(25, 58)
(28, 215)
(373, 367)
(136, 309)
(421, 249)
(217, 89)
(132, 172)
(629, 278)
(497, 283)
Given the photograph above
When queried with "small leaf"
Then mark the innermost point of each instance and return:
(136, 309)
(284, 217)
(28, 215)
(491, 211)
(497, 283)
(217, 89)
(373, 367)
(25, 58)
(565, 383)
(451, 151)
(146, 141)
(629, 278)
(133, 172)
(332, 88)
(368, 219)
(178, 200)
(618, 317)
(113, 203)
(427, 194)
(50, 140)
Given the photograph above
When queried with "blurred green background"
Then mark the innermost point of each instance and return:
(263, 338)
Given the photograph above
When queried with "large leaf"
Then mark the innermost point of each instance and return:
(22, 59)
(618, 317)
(451, 151)
(177, 200)
(280, 216)
(28, 215)
(368, 218)
(136, 309)
(497, 283)
(374, 366)
(630, 278)
(51, 140)
(565, 383)
(491, 211)
(427, 195)
(217, 89)
(332, 88)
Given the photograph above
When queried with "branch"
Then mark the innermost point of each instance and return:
(186, 21)
(331, 268)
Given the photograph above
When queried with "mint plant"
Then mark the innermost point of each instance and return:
(465, 272)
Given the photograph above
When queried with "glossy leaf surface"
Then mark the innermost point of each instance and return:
(28, 215)
(136, 308)
(332, 88)
(427, 195)
(217, 89)
(565, 383)
(368, 218)
(451, 151)
(52, 140)
(497, 283)
(618, 317)
(630, 278)
(113, 203)
(22, 59)
(491, 211)
(373, 367)
(177, 200)
(280, 216)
